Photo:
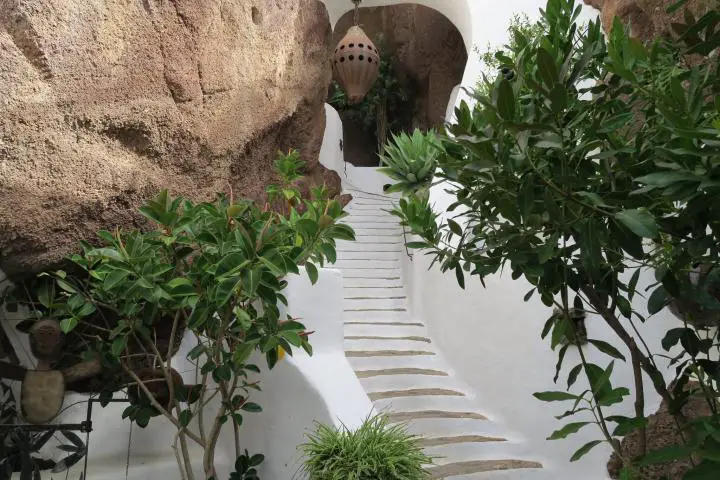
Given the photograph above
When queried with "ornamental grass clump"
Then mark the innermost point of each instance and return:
(375, 451)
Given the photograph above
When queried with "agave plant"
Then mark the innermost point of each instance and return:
(411, 161)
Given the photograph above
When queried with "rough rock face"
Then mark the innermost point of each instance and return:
(105, 102)
(428, 51)
(647, 17)
(661, 432)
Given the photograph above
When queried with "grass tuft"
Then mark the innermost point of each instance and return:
(375, 451)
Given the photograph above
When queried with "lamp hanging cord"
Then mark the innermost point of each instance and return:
(356, 14)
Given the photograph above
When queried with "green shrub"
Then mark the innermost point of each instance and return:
(375, 451)
(411, 160)
(597, 159)
(214, 269)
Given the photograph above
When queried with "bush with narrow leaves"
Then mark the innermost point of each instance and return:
(375, 451)
(599, 158)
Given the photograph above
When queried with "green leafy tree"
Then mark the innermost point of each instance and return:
(215, 269)
(577, 189)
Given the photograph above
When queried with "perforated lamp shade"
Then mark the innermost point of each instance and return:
(355, 64)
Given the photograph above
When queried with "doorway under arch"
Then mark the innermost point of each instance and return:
(427, 56)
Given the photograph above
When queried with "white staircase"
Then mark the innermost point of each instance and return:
(398, 365)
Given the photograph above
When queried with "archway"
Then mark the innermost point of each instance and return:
(425, 57)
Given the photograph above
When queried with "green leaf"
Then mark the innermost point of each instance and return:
(600, 383)
(454, 227)
(573, 375)
(633, 284)
(252, 407)
(237, 419)
(506, 100)
(257, 459)
(226, 290)
(554, 396)
(667, 454)
(582, 451)
(626, 425)
(68, 324)
(243, 351)
(675, 6)
(460, 276)
(558, 98)
(85, 310)
(232, 262)
(568, 429)
(119, 345)
(593, 198)
(222, 373)
(110, 253)
(312, 272)
(705, 470)
(547, 68)
(672, 337)
(307, 226)
(65, 286)
(185, 417)
(561, 357)
(658, 300)
(251, 280)
(613, 396)
(607, 349)
(114, 278)
(45, 294)
(640, 222)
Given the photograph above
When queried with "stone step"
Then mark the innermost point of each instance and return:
(388, 353)
(368, 256)
(415, 417)
(453, 427)
(457, 439)
(414, 393)
(461, 470)
(411, 382)
(346, 246)
(365, 341)
(378, 315)
(385, 263)
(399, 371)
(402, 329)
(380, 215)
(479, 451)
(366, 228)
(432, 402)
(375, 303)
(368, 205)
(353, 281)
(431, 362)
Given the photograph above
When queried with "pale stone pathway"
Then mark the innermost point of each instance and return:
(398, 365)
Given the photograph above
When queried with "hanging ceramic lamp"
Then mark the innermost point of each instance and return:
(356, 62)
